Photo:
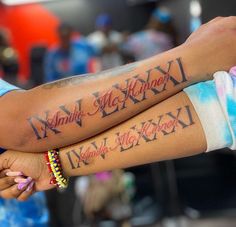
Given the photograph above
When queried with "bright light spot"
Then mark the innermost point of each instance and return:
(195, 8)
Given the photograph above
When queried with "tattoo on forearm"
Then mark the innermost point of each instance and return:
(143, 132)
(42, 125)
(133, 90)
(136, 89)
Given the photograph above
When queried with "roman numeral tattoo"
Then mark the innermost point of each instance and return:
(44, 125)
(133, 90)
(143, 132)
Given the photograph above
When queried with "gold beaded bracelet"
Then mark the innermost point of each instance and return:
(54, 166)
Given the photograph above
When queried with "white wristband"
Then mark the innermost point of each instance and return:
(207, 105)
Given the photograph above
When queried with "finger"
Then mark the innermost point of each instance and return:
(12, 192)
(27, 193)
(6, 182)
(3, 172)
(15, 190)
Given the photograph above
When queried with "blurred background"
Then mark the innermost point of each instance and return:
(42, 41)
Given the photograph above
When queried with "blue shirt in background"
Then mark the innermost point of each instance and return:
(60, 64)
(31, 213)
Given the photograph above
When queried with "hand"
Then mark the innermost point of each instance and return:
(15, 185)
(212, 46)
(30, 164)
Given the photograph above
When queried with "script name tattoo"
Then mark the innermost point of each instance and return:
(136, 88)
(133, 90)
(142, 132)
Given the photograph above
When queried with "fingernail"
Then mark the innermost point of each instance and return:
(14, 174)
(21, 186)
(20, 180)
(29, 179)
(30, 186)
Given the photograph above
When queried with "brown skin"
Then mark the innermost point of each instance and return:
(207, 50)
(163, 148)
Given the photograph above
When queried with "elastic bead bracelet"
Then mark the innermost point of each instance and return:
(54, 167)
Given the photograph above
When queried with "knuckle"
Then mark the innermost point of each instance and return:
(230, 19)
(215, 20)
(218, 18)
(8, 180)
(219, 28)
(5, 163)
(14, 192)
(3, 173)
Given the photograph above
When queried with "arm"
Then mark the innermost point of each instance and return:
(68, 111)
(160, 133)
(164, 131)
(204, 111)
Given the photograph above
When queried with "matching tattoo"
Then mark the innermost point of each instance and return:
(135, 89)
(142, 132)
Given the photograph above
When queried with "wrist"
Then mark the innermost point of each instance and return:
(195, 64)
(55, 168)
(65, 166)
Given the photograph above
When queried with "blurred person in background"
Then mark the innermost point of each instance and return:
(106, 196)
(107, 42)
(158, 36)
(106, 199)
(71, 57)
(9, 62)
(33, 212)
(8, 59)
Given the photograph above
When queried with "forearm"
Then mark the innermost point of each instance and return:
(71, 110)
(163, 132)
(68, 111)
(202, 118)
